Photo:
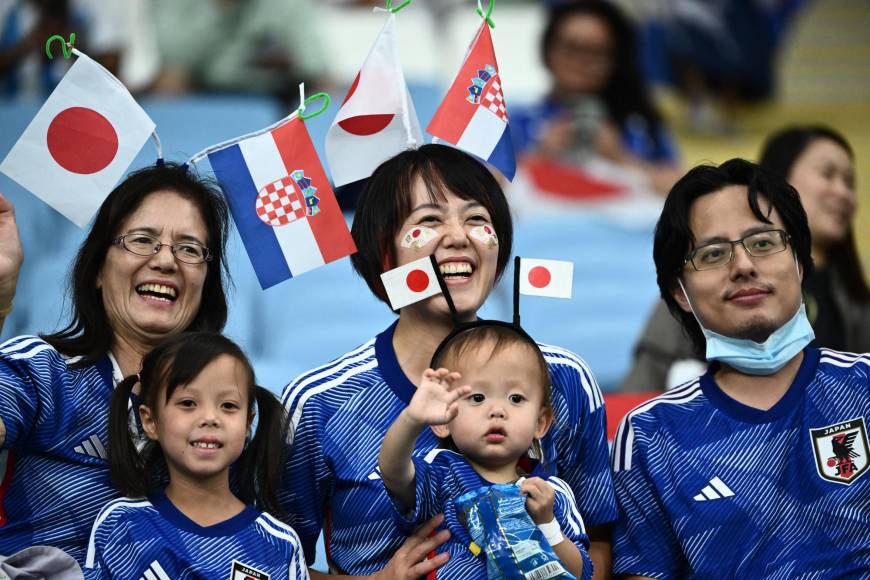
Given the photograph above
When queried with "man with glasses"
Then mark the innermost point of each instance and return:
(758, 468)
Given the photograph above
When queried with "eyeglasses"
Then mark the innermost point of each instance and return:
(147, 245)
(719, 254)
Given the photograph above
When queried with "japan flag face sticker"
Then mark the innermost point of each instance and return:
(418, 236)
(485, 235)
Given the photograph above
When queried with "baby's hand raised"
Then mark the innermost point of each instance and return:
(435, 402)
(540, 499)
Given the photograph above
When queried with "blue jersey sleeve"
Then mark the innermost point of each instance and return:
(571, 522)
(644, 541)
(308, 478)
(26, 397)
(426, 478)
(580, 437)
(107, 538)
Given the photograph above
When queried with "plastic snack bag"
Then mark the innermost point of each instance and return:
(500, 526)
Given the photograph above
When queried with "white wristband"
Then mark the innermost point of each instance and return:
(552, 531)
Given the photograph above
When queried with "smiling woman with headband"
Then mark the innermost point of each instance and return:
(433, 200)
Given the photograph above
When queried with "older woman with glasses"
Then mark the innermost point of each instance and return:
(128, 293)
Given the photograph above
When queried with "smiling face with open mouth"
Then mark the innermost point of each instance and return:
(202, 427)
(467, 262)
(147, 298)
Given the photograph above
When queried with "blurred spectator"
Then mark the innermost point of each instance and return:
(238, 46)
(819, 163)
(26, 25)
(717, 52)
(598, 104)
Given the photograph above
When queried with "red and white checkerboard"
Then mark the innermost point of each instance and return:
(280, 203)
(493, 99)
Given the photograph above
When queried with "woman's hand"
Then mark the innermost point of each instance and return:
(435, 402)
(540, 497)
(409, 562)
(11, 253)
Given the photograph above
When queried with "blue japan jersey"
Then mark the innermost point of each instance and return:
(339, 414)
(711, 488)
(442, 476)
(151, 539)
(53, 472)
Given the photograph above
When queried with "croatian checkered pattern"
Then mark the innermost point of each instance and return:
(493, 100)
(279, 203)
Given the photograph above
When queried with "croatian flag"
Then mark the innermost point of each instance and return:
(473, 115)
(282, 203)
(411, 283)
(80, 142)
(377, 119)
(553, 278)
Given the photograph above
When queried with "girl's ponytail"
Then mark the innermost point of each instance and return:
(262, 462)
(125, 464)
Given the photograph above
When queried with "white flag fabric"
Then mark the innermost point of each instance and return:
(551, 278)
(410, 283)
(377, 119)
(80, 143)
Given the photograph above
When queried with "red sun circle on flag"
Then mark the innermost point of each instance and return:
(82, 140)
(417, 280)
(539, 277)
(416, 233)
(363, 125)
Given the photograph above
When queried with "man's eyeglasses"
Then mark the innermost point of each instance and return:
(147, 245)
(720, 254)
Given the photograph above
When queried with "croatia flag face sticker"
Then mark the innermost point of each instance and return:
(411, 283)
(551, 278)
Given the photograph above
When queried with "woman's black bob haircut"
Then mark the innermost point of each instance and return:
(171, 365)
(779, 154)
(88, 334)
(386, 201)
(674, 239)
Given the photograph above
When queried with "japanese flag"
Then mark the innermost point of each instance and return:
(377, 119)
(551, 278)
(411, 283)
(80, 143)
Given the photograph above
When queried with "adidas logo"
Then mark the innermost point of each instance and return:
(92, 446)
(154, 572)
(716, 490)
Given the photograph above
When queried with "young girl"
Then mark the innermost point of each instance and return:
(197, 402)
(491, 422)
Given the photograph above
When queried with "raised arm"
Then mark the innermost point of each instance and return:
(11, 257)
(435, 402)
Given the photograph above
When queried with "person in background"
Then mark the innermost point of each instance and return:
(820, 164)
(599, 103)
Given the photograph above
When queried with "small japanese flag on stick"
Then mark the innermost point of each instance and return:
(551, 278)
(411, 283)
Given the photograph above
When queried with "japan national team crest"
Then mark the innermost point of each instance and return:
(241, 571)
(286, 200)
(485, 90)
(841, 450)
